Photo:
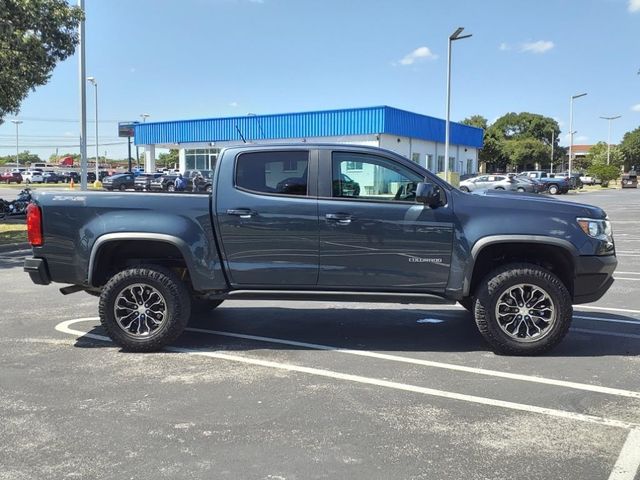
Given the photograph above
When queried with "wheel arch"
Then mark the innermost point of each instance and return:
(171, 247)
(555, 254)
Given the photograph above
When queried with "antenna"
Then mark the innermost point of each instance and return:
(240, 133)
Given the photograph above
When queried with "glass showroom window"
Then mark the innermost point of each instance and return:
(201, 158)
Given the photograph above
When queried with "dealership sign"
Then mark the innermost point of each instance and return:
(127, 129)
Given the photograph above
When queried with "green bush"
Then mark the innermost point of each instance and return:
(605, 173)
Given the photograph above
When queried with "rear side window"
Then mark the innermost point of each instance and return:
(284, 173)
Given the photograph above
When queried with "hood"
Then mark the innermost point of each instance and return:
(530, 202)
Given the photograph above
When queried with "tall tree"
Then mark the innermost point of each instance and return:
(630, 147)
(491, 152)
(34, 36)
(598, 155)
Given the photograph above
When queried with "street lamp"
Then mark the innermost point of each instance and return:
(609, 138)
(454, 36)
(16, 123)
(144, 117)
(571, 132)
(94, 82)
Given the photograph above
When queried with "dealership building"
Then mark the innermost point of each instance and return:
(420, 138)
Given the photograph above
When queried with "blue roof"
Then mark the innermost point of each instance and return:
(325, 123)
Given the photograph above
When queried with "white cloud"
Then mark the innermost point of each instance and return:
(634, 6)
(541, 46)
(420, 53)
(636, 108)
(233, 104)
(504, 47)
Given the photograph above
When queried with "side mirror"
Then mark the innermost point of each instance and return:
(428, 194)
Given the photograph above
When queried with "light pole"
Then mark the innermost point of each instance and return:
(553, 141)
(454, 36)
(83, 100)
(94, 82)
(144, 117)
(571, 132)
(610, 119)
(16, 123)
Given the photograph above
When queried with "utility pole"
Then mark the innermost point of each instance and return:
(609, 119)
(17, 123)
(83, 102)
(94, 82)
(553, 141)
(452, 38)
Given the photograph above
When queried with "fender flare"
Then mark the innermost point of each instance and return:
(484, 242)
(136, 236)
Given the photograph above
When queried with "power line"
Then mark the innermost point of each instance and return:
(61, 146)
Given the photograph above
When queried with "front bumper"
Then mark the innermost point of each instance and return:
(594, 276)
(37, 270)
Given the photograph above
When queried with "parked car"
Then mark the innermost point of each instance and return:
(51, 177)
(10, 177)
(32, 176)
(121, 181)
(629, 180)
(164, 183)
(489, 182)
(67, 176)
(528, 185)
(143, 181)
(575, 181)
(554, 186)
(519, 266)
(207, 184)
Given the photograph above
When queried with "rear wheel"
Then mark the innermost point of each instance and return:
(122, 188)
(171, 187)
(521, 190)
(522, 309)
(145, 308)
(553, 189)
(464, 189)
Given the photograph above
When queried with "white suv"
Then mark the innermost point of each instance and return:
(32, 176)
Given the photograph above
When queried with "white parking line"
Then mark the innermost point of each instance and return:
(65, 327)
(629, 458)
(426, 363)
(626, 278)
(629, 273)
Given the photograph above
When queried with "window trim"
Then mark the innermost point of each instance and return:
(310, 164)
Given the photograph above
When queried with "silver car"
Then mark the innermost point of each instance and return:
(489, 182)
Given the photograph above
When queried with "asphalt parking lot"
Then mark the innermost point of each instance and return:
(292, 390)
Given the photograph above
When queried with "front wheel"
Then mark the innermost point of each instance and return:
(521, 190)
(553, 189)
(144, 308)
(464, 189)
(171, 187)
(499, 188)
(522, 309)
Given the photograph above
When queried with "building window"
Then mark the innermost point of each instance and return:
(429, 164)
(470, 165)
(354, 166)
(288, 166)
(452, 164)
(201, 158)
(440, 163)
(415, 157)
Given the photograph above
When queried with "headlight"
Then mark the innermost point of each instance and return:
(597, 228)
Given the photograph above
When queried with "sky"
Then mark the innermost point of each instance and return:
(209, 58)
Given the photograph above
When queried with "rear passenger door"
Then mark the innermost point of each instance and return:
(268, 219)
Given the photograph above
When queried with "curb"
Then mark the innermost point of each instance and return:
(11, 247)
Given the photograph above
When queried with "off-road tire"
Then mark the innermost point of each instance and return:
(178, 304)
(494, 284)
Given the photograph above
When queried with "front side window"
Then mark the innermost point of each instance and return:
(379, 178)
(282, 173)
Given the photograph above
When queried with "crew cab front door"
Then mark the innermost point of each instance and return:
(372, 232)
(267, 219)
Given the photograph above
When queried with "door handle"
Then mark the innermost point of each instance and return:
(339, 218)
(240, 212)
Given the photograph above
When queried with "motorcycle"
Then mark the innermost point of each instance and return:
(17, 206)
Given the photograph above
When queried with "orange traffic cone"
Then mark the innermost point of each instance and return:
(71, 184)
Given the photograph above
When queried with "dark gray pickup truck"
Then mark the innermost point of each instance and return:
(318, 222)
